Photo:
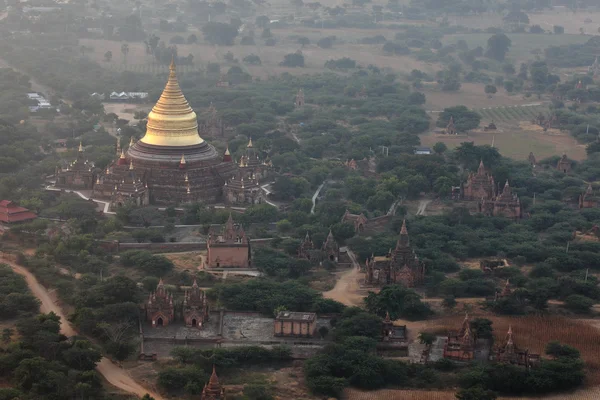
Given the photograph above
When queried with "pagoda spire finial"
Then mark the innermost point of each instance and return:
(131, 142)
(227, 153)
(250, 145)
(172, 65)
(131, 165)
(182, 161)
(80, 146)
(122, 154)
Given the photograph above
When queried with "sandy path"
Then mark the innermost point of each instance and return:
(112, 373)
(422, 207)
(346, 288)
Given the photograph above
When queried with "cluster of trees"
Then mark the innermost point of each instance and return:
(399, 302)
(109, 311)
(352, 361)
(15, 299)
(195, 366)
(564, 370)
(266, 296)
(155, 265)
(45, 364)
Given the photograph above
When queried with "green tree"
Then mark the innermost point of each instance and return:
(440, 147)
(218, 33)
(427, 338)
(464, 119)
(293, 60)
(7, 335)
(578, 303)
(497, 46)
(490, 89)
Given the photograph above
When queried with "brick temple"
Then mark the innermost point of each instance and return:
(400, 265)
(171, 164)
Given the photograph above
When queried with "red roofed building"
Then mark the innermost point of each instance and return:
(11, 213)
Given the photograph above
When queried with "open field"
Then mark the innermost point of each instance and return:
(271, 56)
(529, 332)
(125, 110)
(572, 22)
(471, 95)
(522, 43)
(188, 261)
(514, 138)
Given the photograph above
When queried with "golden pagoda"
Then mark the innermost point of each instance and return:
(172, 122)
(171, 152)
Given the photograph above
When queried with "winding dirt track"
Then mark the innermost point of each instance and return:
(112, 373)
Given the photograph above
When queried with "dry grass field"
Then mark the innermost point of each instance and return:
(529, 332)
(471, 95)
(522, 43)
(515, 139)
(271, 56)
(572, 22)
(188, 261)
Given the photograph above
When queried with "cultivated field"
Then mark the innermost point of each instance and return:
(471, 95)
(516, 136)
(522, 43)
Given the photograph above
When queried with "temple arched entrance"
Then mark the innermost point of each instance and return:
(159, 321)
(194, 322)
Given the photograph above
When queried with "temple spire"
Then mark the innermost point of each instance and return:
(403, 240)
(131, 142)
(481, 169)
(80, 147)
(250, 145)
(131, 165)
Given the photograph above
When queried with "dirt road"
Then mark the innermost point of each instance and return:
(346, 288)
(422, 207)
(112, 373)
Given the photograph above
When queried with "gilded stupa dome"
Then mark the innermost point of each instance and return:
(172, 122)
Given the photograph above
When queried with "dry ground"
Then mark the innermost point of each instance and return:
(572, 22)
(529, 332)
(516, 141)
(125, 110)
(188, 261)
(271, 56)
(471, 95)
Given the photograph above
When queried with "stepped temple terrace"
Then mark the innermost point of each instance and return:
(171, 164)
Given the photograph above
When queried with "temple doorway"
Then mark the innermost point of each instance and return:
(159, 321)
(194, 323)
(331, 257)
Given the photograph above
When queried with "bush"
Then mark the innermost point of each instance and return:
(578, 303)
(293, 60)
(326, 42)
(342, 63)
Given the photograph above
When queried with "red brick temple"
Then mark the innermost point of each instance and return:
(460, 345)
(195, 307)
(213, 389)
(160, 310)
(228, 247)
(479, 185)
(400, 265)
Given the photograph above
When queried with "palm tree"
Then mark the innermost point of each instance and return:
(125, 51)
